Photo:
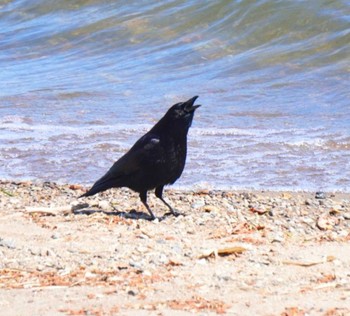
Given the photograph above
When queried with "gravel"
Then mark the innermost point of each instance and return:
(228, 250)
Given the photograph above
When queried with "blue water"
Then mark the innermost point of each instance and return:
(81, 81)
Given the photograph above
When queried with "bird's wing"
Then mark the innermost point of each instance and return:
(147, 150)
(147, 146)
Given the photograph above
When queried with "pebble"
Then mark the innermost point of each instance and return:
(8, 243)
(104, 205)
(55, 236)
(34, 252)
(224, 277)
(277, 238)
(307, 220)
(137, 265)
(309, 202)
(49, 252)
(147, 273)
(326, 222)
(320, 195)
(177, 249)
(346, 216)
(210, 208)
(132, 293)
(163, 258)
(40, 267)
(246, 203)
(142, 249)
(198, 204)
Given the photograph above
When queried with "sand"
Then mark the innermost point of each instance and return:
(230, 253)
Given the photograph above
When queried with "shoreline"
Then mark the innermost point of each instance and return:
(27, 194)
(180, 188)
(102, 256)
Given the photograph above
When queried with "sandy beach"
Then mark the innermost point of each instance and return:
(234, 253)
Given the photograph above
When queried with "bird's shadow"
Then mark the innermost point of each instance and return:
(130, 214)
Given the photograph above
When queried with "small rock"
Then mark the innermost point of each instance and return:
(142, 249)
(309, 202)
(15, 201)
(34, 252)
(245, 203)
(327, 222)
(147, 273)
(307, 220)
(286, 195)
(343, 233)
(132, 293)
(10, 244)
(224, 277)
(346, 215)
(75, 187)
(104, 205)
(210, 208)
(258, 210)
(40, 267)
(49, 252)
(277, 238)
(89, 275)
(198, 203)
(77, 206)
(320, 195)
(41, 252)
(163, 258)
(55, 236)
(136, 265)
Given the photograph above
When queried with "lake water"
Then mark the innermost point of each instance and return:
(81, 81)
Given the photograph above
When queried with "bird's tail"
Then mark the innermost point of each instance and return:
(103, 184)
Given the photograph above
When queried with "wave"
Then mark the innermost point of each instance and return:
(85, 79)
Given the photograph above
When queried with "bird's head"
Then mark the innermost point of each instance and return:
(183, 111)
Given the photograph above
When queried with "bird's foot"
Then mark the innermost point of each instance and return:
(152, 217)
(175, 213)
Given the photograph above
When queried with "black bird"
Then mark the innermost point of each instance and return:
(156, 159)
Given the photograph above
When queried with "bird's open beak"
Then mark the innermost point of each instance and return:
(189, 107)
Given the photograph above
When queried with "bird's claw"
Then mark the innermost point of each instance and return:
(176, 213)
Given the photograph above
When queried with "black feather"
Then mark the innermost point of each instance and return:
(156, 159)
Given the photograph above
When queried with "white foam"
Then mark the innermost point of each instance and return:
(217, 158)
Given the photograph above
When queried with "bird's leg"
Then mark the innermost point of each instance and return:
(159, 195)
(143, 197)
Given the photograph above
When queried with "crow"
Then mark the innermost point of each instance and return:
(156, 159)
